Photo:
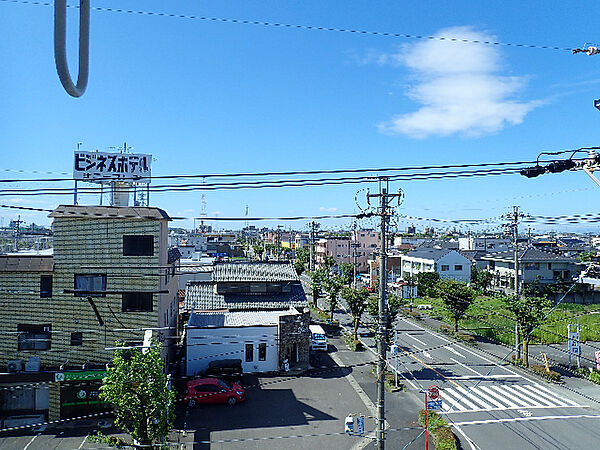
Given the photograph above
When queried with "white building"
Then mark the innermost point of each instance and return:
(488, 244)
(251, 336)
(449, 264)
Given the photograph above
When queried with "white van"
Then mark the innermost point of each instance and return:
(318, 338)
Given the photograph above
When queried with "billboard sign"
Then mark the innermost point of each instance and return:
(574, 344)
(100, 167)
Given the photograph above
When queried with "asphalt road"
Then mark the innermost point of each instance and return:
(489, 404)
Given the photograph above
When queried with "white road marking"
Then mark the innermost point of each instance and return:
(554, 395)
(488, 397)
(467, 367)
(526, 419)
(453, 350)
(459, 398)
(485, 377)
(31, 441)
(83, 442)
(476, 399)
(500, 398)
(427, 331)
(527, 393)
(467, 438)
(455, 405)
(416, 339)
(508, 394)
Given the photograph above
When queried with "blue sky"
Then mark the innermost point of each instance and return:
(207, 96)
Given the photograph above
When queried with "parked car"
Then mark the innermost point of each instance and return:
(213, 390)
(228, 369)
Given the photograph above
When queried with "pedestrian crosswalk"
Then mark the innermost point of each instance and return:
(490, 397)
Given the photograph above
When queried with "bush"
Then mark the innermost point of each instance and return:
(591, 374)
(414, 314)
(443, 436)
(390, 383)
(111, 441)
(465, 337)
(444, 328)
(541, 370)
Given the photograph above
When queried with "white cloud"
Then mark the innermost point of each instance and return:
(331, 210)
(459, 88)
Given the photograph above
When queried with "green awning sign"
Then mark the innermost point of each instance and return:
(80, 376)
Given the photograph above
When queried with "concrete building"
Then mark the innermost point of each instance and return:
(488, 244)
(111, 271)
(448, 263)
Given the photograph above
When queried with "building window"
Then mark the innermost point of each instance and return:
(458, 267)
(249, 352)
(262, 352)
(492, 265)
(138, 245)
(77, 338)
(137, 301)
(445, 267)
(86, 285)
(46, 286)
(549, 266)
(33, 337)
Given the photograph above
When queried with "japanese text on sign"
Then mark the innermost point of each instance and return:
(106, 167)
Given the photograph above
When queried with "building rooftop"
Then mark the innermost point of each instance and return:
(237, 319)
(529, 254)
(245, 271)
(113, 212)
(428, 253)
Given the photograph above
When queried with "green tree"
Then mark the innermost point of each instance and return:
(426, 282)
(301, 260)
(481, 279)
(457, 296)
(357, 302)
(394, 304)
(332, 285)
(258, 250)
(317, 277)
(347, 272)
(328, 263)
(136, 386)
(529, 313)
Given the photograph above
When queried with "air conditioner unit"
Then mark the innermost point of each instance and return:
(33, 364)
(15, 365)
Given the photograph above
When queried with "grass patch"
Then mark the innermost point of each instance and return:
(550, 376)
(443, 437)
(320, 313)
(488, 317)
(111, 441)
(390, 380)
(591, 374)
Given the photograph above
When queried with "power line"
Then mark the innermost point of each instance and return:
(302, 27)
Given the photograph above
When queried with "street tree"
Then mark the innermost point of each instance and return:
(317, 277)
(301, 260)
(347, 272)
(481, 279)
(529, 313)
(258, 250)
(357, 303)
(394, 304)
(426, 282)
(137, 388)
(457, 296)
(332, 285)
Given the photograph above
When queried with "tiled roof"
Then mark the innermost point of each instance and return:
(26, 263)
(254, 271)
(529, 254)
(202, 295)
(113, 212)
(428, 253)
(237, 319)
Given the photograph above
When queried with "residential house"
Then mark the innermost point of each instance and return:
(263, 294)
(534, 265)
(448, 263)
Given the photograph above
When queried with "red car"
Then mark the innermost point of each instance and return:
(213, 390)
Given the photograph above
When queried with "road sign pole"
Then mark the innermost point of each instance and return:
(426, 431)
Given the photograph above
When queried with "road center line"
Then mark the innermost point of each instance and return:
(416, 339)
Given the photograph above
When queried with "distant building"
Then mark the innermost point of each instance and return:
(488, 244)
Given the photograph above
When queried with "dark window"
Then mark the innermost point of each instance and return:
(249, 352)
(492, 265)
(77, 338)
(33, 337)
(46, 286)
(137, 301)
(458, 267)
(445, 267)
(262, 352)
(549, 266)
(138, 245)
(88, 284)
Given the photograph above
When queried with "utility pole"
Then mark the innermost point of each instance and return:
(384, 201)
(312, 245)
(354, 244)
(514, 225)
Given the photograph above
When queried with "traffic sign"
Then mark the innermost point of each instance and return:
(597, 360)
(434, 404)
(433, 392)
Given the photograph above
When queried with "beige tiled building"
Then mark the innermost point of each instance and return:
(111, 276)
